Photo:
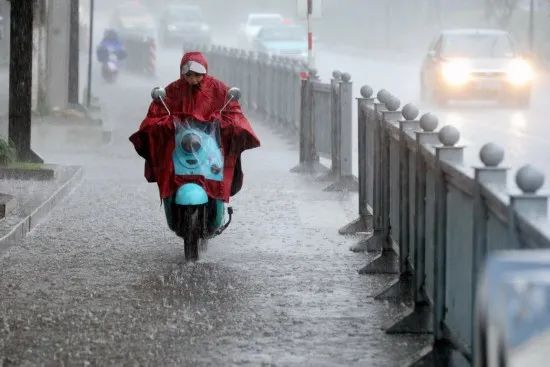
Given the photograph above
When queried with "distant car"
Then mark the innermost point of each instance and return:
(475, 64)
(282, 40)
(132, 20)
(184, 24)
(254, 24)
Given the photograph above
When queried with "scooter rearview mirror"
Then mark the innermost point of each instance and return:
(234, 93)
(158, 94)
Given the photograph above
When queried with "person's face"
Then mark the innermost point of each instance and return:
(193, 78)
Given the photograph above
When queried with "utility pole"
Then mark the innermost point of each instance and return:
(20, 103)
(90, 55)
(74, 52)
(57, 54)
(531, 32)
(310, 33)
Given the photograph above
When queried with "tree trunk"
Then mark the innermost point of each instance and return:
(20, 104)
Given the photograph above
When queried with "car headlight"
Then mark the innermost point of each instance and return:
(171, 27)
(456, 73)
(520, 72)
(205, 28)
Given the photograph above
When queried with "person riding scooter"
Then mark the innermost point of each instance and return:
(109, 52)
(198, 96)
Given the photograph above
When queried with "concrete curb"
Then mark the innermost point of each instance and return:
(27, 224)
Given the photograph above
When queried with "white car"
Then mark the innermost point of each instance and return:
(254, 24)
(476, 63)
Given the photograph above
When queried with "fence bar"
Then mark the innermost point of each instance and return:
(365, 221)
(400, 290)
(387, 261)
(342, 138)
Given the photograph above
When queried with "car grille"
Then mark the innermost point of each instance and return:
(488, 74)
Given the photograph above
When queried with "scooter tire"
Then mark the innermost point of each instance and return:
(192, 234)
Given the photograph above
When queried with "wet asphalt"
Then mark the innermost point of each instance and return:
(103, 281)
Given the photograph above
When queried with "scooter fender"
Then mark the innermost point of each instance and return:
(191, 194)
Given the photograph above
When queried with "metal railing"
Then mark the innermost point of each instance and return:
(288, 95)
(433, 222)
(432, 219)
(270, 85)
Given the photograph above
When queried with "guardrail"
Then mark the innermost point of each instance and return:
(432, 219)
(434, 222)
(289, 95)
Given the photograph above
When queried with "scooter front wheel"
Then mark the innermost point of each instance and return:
(192, 233)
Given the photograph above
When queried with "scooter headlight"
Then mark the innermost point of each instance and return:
(191, 143)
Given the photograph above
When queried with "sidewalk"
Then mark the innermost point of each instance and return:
(101, 281)
(31, 200)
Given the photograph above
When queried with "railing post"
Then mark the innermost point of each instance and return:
(252, 77)
(297, 96)
(529, 204)
(488, 176)
(309, 158)
(371, 243)
(364, 222)
(443, 349)
(401, 289)
(387, 261)
(262, 90)
(342, 130)
(268, 87)
(335, 123)
(420, 319)
(410, 113)
(279, 91)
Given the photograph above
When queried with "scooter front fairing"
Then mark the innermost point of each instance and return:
(197, 153)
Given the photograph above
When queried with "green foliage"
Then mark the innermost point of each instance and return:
(7, 153)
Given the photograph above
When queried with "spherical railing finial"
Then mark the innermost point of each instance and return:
(449, 135)
(366, 91)
(336, 74)
(410, 112)
(346, 77)
(383, 95)
(491, 155)
(529, 179)
(429, 122)
(392, 103)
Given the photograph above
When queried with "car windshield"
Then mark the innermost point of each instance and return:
(265, 21)
(477, 46)
(285, 33)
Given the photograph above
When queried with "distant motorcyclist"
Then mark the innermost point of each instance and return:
(202, 97)
(110, 43)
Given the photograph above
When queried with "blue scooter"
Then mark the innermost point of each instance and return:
(190, 213)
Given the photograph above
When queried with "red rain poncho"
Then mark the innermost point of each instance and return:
(155, 140)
